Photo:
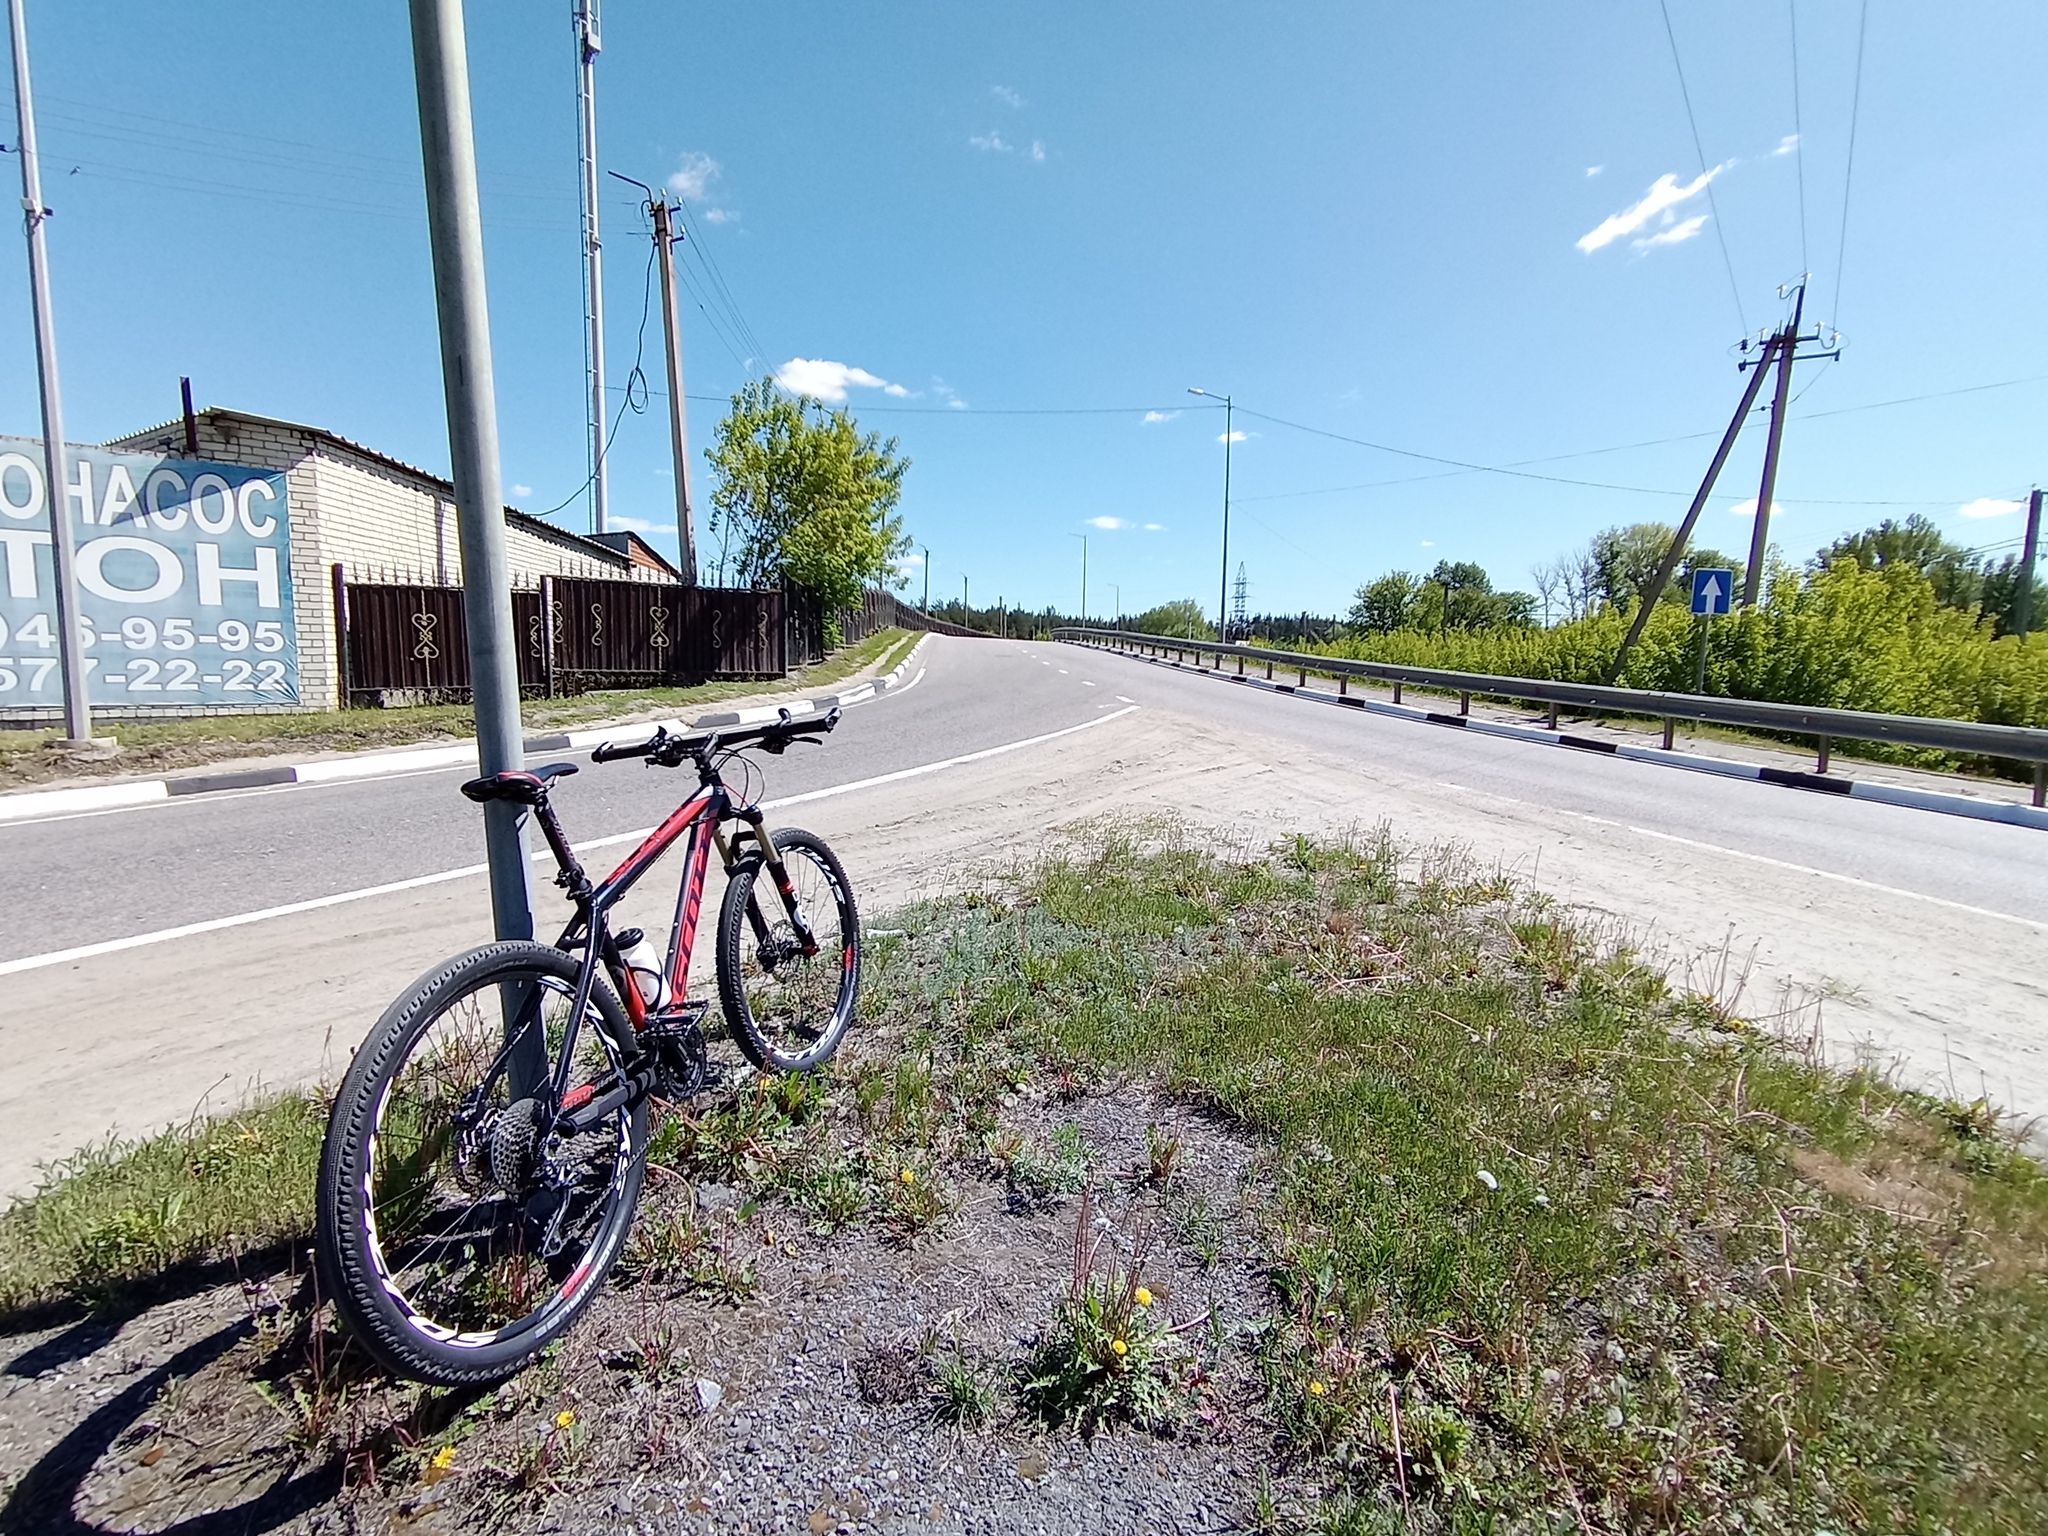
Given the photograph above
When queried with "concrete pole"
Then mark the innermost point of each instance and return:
(2023, 609)
(678, 425)
(71, 664)
(588, 42)
(455, 224)
(1760, 537)
(1223, 593)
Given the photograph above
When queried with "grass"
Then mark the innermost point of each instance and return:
(29, 756)
(1551, 1244)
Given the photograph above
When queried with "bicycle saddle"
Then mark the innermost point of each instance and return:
(516, 784)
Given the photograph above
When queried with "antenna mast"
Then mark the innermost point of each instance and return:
(588, 43)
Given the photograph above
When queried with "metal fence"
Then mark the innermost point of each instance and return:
(1969, 738)
(574, 634)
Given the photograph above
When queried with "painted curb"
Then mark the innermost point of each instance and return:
(34, 804)
(2005, 811)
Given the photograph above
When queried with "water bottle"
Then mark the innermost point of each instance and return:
(645, 967)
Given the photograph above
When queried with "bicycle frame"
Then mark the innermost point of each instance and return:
(702, 818)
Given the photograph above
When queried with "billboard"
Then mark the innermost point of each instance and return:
(184, 581)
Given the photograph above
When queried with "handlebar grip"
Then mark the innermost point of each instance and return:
(607, 753)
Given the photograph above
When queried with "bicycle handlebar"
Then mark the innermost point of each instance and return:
(665, 751)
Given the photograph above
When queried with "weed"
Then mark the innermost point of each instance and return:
(916, 1199)
(1162, 1153)
(1041, 1174)
(1105, 1356)
(966, 1399)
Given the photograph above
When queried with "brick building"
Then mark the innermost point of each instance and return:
(379, 519)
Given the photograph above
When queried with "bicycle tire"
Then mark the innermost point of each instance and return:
(355, 1225)
(795, 1012)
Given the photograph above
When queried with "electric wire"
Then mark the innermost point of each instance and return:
(1849, 172)
(1734, 288)
(1798, 134)
(635, 388)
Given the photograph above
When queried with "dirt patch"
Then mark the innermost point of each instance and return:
(1919, 1193)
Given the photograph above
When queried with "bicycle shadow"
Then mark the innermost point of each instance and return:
(44, 1501)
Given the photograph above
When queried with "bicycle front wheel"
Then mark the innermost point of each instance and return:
(789, 1004)
(456, 1233)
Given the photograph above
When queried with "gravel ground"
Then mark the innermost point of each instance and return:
(809, 1406)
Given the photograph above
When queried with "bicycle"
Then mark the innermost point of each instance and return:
(487, 1147)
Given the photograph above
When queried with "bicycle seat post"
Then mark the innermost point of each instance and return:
(572, 876)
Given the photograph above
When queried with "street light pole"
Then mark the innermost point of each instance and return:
(77, 709)
(1084, 573)
(1119, 591)
(1223, 582)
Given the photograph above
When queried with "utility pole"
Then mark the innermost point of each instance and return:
(588, 43)
(1223, 582)
(1119, 595)
(1647, 599)
(1759, 539)
(2023, 608)
(926, 605)
(455, 227)
(77, 707)
(963, 599)
(665, 238)
(1084, 573)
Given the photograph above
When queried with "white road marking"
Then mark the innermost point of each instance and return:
(1828, 874)
(1086, 684)
(1122, 700)
(289, 909)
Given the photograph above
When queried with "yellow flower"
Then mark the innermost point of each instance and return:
(1119, 1346)
(565, 1418)
(1316, 1389)
(444, 1458)
(1143, 1297)
(909, 1177)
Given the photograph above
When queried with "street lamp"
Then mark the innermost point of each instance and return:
(1084, 573)
(1223, 587)
(926, 605)
(1119, 591)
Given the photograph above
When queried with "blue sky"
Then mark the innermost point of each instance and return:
(1371, 220)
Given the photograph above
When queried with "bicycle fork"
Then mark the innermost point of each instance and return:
(778, 871)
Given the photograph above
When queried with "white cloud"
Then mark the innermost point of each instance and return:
(992, 142)
(1748, 508)
(618, 523)
(1006, 96)
(1988, 506)
(1672, 234)
(1231, 437)
(1665, 192)
(522, 490)
(1037, 150)
(1111, 523)
(910, 562)
(1155, 527)
(693, 178)
(1788, 145)
(719, 216)
(948, 393)
(1429, 543)
(1151, 416)
(823, 380)
(1594, 170)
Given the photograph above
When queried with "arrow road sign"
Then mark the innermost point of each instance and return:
(1711, 590)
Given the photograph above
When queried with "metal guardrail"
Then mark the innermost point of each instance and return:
(2014, 743)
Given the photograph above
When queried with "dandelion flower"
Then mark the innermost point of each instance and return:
(565, 1418)
(444, 1458)
(909, 1176)
(1120, 1346)
(1316, 1389)
(1142, 1296)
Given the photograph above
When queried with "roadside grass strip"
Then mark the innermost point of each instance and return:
(1534, 1239)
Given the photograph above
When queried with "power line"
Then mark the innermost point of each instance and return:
(1798, 134)
(635, 388)
(1849, 173)
(1734, 288)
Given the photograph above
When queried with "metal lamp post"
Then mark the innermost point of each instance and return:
(1223, 584)
(1084, 573)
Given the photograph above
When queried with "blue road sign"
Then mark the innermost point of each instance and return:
(1712, 590)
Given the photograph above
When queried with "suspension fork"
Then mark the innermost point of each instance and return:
(778, 871)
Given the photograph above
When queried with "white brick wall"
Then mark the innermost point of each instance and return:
(378, 520)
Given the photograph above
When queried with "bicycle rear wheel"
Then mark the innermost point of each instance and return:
(455, 1237)
(789, 1010)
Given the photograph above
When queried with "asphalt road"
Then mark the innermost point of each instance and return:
(1925, 936)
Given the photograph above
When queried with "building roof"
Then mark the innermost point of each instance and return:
(539, 526)
(637, 550)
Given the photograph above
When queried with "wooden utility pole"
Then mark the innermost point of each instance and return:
(1760, 536)
(678, 426)
(2023, 607)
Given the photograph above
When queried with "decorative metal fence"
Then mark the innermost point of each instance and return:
(573, 634)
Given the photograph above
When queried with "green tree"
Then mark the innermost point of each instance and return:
(1914, 544)
(1182, 618)
(2001, 593)
(804, 496)
(1382, 606)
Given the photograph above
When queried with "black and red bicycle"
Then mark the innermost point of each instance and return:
(487, 1147)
